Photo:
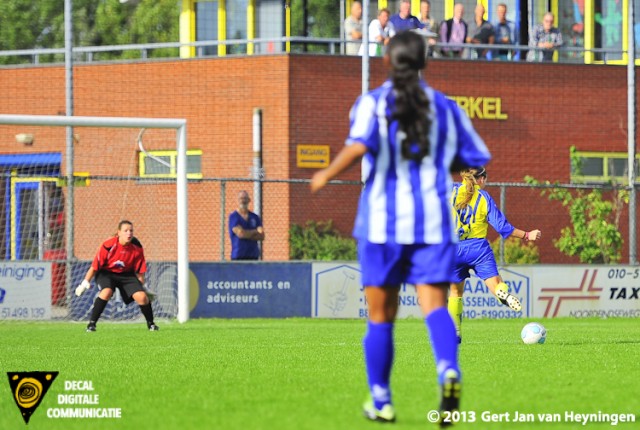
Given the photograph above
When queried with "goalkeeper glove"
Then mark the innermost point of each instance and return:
(84, 286)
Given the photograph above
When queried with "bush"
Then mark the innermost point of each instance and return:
(516, 251)
(320, 241)
(594, 234)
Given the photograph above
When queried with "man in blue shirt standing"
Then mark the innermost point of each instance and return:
(506, 34)
(403, 20)
(245, 230)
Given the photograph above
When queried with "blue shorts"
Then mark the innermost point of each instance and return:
(392, 264)
(475, 254)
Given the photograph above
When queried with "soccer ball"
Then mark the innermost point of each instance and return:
(533, 333)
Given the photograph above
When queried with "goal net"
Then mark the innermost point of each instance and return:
(61, 202)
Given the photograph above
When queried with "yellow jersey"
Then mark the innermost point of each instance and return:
(472, 221)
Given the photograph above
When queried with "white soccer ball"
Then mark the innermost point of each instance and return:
(533, 333)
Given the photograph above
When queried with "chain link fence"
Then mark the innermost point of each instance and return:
(286, 203)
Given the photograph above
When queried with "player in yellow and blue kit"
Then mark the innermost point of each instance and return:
(474, 210)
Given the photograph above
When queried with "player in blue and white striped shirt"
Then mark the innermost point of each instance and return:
(411, 137)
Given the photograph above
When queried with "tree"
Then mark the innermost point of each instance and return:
(25, 24)
(28, 24)
(148, 21)
(323, 19)
(594, 234)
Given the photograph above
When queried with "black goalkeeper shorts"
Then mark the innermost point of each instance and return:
(127, 283)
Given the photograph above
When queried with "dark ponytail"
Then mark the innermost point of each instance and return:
(407, 55)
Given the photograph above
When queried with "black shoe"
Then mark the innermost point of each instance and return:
(153, 327)
(450, 394)
(91, 327)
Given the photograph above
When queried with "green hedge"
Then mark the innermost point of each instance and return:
(516, 251)
(320, 240)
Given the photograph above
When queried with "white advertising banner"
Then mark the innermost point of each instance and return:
(544, 291)
(338, 293)
(479, 302)
(587, 291)
(25, 290)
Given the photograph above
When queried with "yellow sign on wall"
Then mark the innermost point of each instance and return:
(312, 156)
(481, 107)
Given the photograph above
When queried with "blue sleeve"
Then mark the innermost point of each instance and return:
(258, 220)
(364, 123)
(233, 221)
(472, 151)
(417, 22)
(515, 34)
(496, 218)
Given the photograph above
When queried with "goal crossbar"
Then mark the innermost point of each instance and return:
(180, 125)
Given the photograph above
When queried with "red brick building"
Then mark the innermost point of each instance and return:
(529, 115)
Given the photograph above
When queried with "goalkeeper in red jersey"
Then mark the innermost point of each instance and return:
(119, 264)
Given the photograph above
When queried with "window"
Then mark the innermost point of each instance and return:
(608, 28)
(207, 24)
(163, 164)
(237, 25)
(601, 167)
(570, 21)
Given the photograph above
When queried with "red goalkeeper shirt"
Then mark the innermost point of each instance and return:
(117, 258)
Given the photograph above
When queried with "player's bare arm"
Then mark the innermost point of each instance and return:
(532, 235)
(86, 282)
(345, 158)
(90, 273)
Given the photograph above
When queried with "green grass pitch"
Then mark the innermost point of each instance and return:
(308, 373)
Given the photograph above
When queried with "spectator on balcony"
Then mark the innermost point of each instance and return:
(403, 20)
(480, 32)
(245, 230)
(381, 30)
(353, 29)
(430, 24)
(426, 19)
(544, 36)
(506, 34)
(454, 31)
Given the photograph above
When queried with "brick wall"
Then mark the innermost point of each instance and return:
(305, 100)
(550, 107)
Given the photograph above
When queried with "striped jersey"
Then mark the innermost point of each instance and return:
(472, 221)
(404, 201)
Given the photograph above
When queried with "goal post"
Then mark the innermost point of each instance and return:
(179, 125)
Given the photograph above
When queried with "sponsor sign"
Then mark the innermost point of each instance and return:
(587, 291)
(25, 290)
(248, 290)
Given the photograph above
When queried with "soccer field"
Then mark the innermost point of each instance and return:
(308, 374)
